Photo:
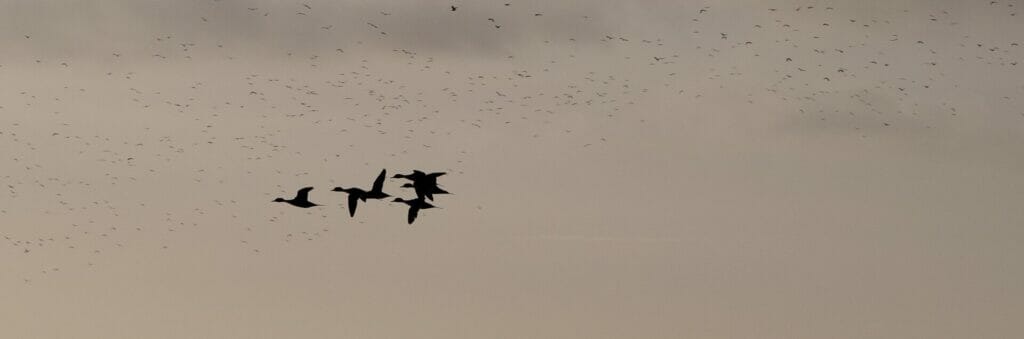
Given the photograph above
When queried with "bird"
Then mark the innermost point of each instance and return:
(425, 190)
(454, 8)
(414, 207)
(424, 183)
(301, 199)
(419, 175)
(355, 194)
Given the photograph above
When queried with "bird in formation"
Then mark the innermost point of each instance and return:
(301, 199)
(415, 206)
(425, 191)
(355, 194)
(424, 184)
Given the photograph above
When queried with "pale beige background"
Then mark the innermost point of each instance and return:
(719, 192)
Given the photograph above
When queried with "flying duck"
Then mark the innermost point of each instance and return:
(355, 194)
(301, 199)
(425, 184)
(425, 190)
(419, 175)
(414, 207)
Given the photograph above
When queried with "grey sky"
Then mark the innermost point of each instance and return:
(843, 169)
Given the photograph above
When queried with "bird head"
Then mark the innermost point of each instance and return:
(279, 200)
(338, 189)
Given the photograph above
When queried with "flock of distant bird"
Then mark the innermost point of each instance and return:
(425, 185)
(553, 79)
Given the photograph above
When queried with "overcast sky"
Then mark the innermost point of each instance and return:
(656, 169)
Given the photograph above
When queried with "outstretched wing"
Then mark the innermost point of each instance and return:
(303, 194)
(412, 213)
(353, 200)
(435, 175)
(378, 185)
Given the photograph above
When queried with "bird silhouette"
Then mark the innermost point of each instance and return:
(425, 190)
(425, 184)
(419, 175)
(301, 199)
(414, 207)
(355, 194)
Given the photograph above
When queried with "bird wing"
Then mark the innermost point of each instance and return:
(413, 210)
(303, 194)
(378, 185)
(437, 174)
(353, 200)
(435, 190)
